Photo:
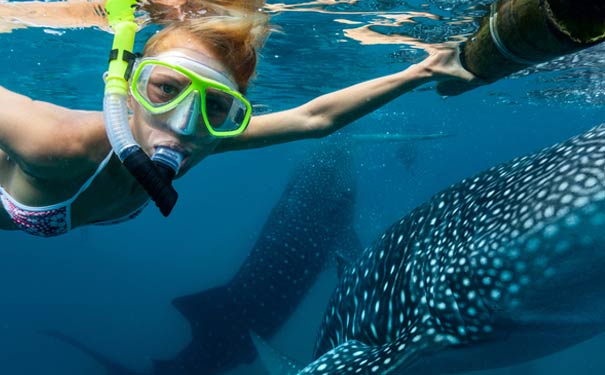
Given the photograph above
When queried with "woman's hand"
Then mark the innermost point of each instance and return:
(445, 67)
(444, 64)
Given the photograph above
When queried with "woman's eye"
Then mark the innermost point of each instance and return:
(217, 108)
(162, 91)
(169, 90)
(217, 105)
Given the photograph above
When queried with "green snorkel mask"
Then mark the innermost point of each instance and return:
(184, 94)
(155, 174)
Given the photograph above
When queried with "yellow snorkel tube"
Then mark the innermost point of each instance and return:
(155, 176)
(120, 14)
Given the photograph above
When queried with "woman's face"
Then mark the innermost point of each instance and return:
(153, 130)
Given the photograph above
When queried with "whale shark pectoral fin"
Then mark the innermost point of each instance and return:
(275, 362)
(341, 264)
(355, 357)
(349, 248)
(206, 306)
(349, 245)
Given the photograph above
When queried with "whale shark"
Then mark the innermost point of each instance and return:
(308, 229)
(500, 268)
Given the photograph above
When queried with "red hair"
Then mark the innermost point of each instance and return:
(233, 33)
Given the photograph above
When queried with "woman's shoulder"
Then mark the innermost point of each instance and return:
(45, 139)
(77, 141)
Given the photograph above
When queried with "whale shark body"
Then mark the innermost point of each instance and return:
(498, 269)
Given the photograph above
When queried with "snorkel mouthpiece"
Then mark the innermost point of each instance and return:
(168, 161)
(155, 177)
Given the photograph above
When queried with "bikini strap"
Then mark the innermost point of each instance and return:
(91, 178)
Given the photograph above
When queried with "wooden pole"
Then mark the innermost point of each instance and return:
(520, 33)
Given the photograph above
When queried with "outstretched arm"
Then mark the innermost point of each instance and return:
(62, 14)
(328, 113)
(79, 13)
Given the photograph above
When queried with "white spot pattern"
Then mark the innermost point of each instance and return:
(435, 277)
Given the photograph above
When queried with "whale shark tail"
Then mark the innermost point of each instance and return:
(219, 329)
(111, 367)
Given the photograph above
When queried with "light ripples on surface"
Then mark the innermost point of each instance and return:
(407, 30)
(327, 44)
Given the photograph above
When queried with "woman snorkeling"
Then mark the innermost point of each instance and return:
(57, 167)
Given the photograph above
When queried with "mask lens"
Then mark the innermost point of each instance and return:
(160, 85)
(224, 111)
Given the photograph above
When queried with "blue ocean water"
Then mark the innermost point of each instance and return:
(112, 286)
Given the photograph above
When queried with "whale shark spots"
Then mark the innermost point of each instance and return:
(500, 268)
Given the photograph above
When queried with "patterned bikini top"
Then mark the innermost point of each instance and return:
(53, 220)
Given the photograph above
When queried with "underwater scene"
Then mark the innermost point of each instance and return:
(460, 233)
